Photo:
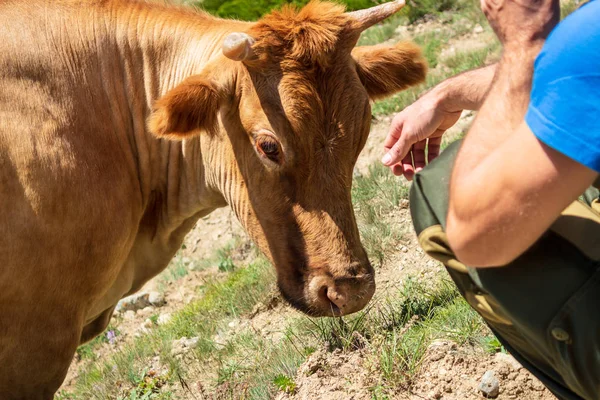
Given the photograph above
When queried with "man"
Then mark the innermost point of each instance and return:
(510, 199)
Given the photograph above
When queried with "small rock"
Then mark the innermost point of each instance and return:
(233, 324)
(220, 341)
(163, 319)
(478, 29)
(129, 315)
(507, 359)
(156, 299)
(521, 378)
(435, 394)
(134, 302)
(489, 385)
(537, 385)
(144, 329)
(182, 345)
(146, 311)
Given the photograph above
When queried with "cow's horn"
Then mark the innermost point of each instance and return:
(238, 46)
(370, 16)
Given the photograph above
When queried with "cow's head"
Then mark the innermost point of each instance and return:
(286, 112)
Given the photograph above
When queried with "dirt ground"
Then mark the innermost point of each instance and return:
(448, 372)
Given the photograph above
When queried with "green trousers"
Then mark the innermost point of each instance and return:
(545, 306)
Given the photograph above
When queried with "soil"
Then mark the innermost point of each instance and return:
(448, 372)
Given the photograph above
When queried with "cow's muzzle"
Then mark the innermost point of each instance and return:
(337, 296)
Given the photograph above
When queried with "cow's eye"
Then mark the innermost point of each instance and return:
(268, 147)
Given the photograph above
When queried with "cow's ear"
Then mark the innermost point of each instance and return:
(188, 109)
(385, 70)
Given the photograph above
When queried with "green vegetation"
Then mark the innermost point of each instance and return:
(253, 10)
(86, 351)
(285, 384)
(241, 291)
(382, 31)
(177, 269)
(375, 197)
(418, 9)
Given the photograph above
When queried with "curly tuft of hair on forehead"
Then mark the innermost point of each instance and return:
(309, 36)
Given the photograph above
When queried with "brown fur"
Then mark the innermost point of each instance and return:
(96, 201)
(309, 36)
(385, 69)
(189, 107)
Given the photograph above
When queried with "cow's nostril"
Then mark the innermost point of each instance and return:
(327, 297)
(340, 296)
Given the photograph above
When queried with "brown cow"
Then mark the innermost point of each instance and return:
(267, 117)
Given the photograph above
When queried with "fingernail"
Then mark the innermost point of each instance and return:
(387, 159)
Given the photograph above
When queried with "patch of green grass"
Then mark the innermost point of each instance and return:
(178, 268)
(238, 294)
(259, 367)
(375, 196)
(382, 31)
(88, 350)
(285, 384)
(225, 262)
(224, 257)
(465, 61)
(147, 387)
(62, 395)
(492, 345)
(437, 313)
(417, 9)
(431, 45)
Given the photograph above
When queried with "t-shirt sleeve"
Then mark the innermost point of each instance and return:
(564, 110)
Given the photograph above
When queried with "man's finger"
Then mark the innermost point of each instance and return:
(418, 153)
(396, 153)
(433, 147)
(394, 133)
(407, 167)
(397, 170)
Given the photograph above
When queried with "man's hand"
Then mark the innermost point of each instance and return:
(521, 23)
(422, 124)
(418, 127)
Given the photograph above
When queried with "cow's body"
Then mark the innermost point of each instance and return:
(93, 204)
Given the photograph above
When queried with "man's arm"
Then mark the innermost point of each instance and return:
(466, 91)
(423, 123)
(508, 187)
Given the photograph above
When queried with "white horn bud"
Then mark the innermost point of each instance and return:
(238, 46)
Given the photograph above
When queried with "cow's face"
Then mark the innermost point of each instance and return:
(295, 114)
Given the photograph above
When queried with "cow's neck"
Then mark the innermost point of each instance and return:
(168, 45)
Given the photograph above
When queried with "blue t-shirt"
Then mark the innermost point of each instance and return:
(564, 112)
